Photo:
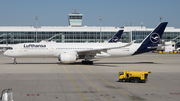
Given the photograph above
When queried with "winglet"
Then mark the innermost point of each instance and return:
(128, 44)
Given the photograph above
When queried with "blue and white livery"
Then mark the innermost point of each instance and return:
(116, 37)
(70, 52)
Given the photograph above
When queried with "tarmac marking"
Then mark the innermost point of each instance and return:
(32, 94)
(56, 65)
(174, 93)
(73, 82)
(111, 84)
(93, 85)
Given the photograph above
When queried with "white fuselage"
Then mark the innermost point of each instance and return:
(70, 52)
(53, 50)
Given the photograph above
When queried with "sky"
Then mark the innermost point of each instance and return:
(115, 13)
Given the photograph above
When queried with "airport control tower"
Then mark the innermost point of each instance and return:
(75, 19)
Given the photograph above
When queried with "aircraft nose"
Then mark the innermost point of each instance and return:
(6, 53)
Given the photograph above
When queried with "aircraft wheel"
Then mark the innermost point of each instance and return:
(15, 62)
(87, 62)
(136, 80)
(91, 62)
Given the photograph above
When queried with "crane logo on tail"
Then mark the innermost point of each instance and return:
(154, 37)
(115, 39)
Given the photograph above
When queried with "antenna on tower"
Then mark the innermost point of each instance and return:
(130, 24)
(141, 24)
(126, 24)
(75, 11)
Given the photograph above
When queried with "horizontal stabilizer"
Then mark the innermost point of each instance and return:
(159, 47)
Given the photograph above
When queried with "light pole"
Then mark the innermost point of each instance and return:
(100, 28)
(36, 28)
(160, 18)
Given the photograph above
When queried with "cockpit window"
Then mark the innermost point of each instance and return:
(3, 49)
(9, 48)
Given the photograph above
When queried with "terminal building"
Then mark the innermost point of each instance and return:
(77, 33)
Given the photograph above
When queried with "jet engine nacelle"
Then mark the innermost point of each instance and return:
(68, 57)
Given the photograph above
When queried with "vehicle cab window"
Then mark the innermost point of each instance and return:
(121, 73)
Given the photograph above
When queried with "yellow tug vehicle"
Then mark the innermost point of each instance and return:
(133, 76)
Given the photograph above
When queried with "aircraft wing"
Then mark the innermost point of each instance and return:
(99, 50)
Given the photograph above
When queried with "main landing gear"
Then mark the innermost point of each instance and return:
(87, 62)
(14, 61)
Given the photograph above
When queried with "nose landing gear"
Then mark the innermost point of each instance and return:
(14, 61)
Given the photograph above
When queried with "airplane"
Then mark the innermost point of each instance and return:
(71, 52)
(116, 37)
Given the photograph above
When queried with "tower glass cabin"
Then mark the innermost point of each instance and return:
(75, 19)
